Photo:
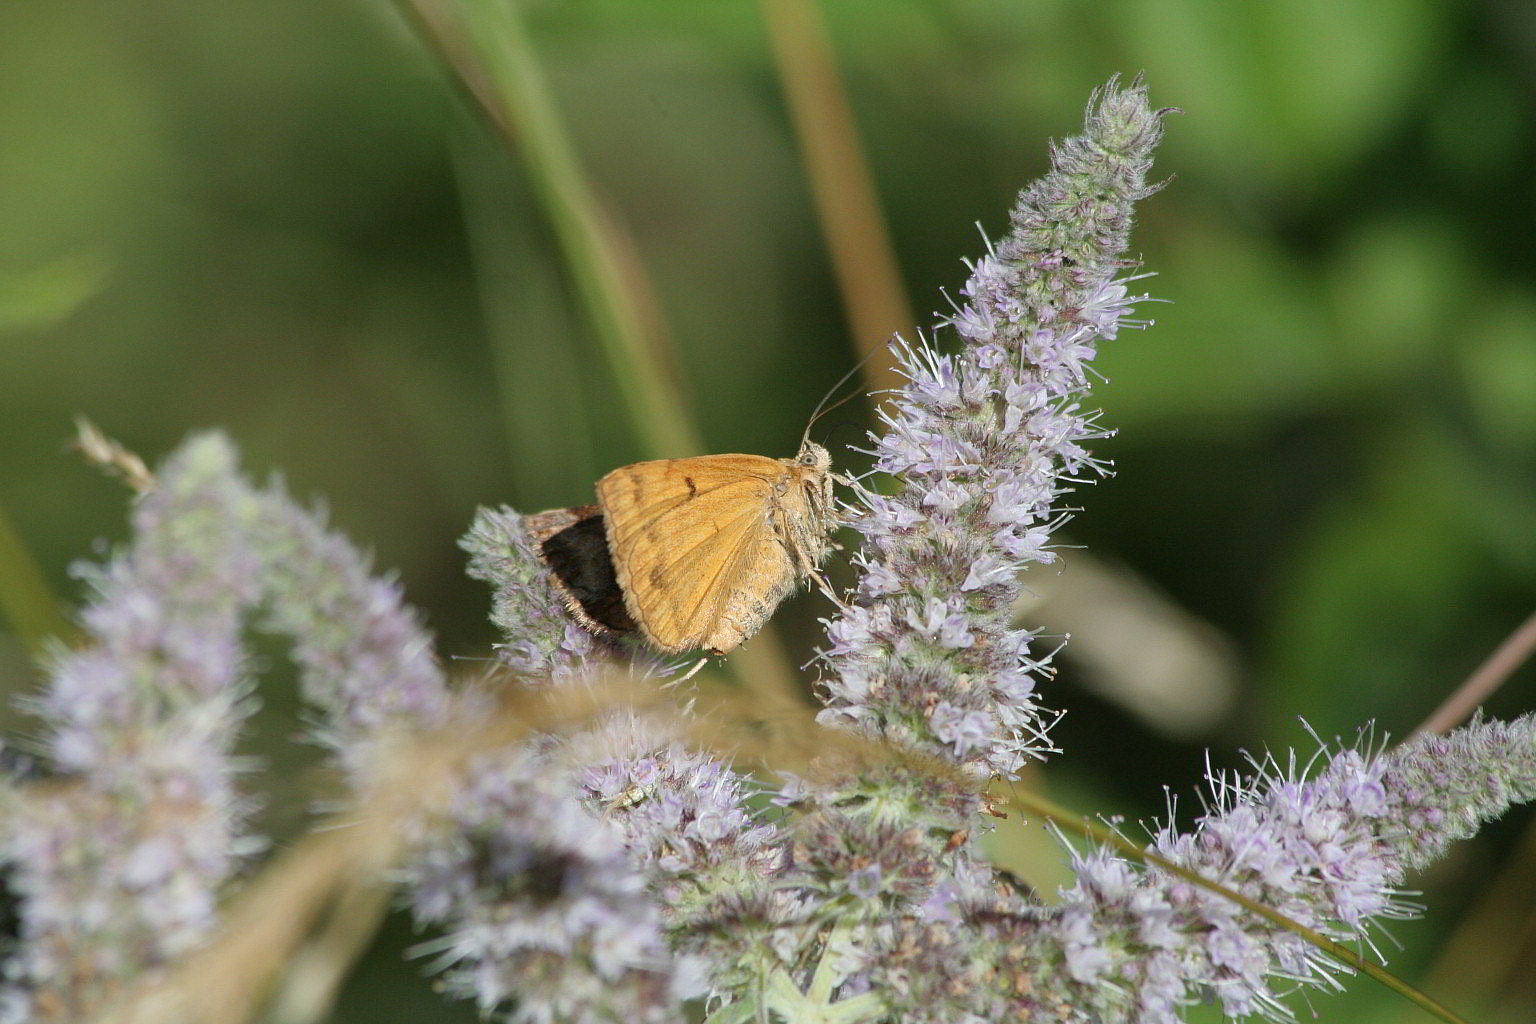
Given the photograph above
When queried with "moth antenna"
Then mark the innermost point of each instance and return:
(822, 408)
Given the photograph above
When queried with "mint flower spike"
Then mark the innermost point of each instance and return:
(983, 444)
(545, 917)
(116, 865)
(365, 660)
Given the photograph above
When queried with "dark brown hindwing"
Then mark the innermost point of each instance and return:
(573, 545)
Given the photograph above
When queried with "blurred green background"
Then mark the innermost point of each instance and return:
(282, 220)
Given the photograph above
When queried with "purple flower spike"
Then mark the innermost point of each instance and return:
(543, 910)
(1134, 943)
(984, 443)
(117, 865)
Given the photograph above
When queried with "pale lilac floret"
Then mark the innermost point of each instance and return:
(965, 729)
(990, 569)
(946, 496)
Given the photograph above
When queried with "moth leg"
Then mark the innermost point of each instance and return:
(826, 588)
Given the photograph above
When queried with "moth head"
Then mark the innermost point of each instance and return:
(813, 456)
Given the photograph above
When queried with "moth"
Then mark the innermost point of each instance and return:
(691, 553)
